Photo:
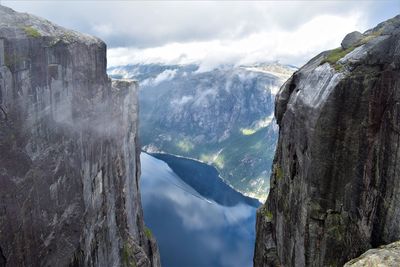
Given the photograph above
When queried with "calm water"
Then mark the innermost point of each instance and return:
(196, 228)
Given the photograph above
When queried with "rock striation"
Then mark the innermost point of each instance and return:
(69, 154)
(335, 187)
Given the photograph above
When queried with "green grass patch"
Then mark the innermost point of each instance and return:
(369, 37)
(267, 213)
(31, 32)
(335, 55)
(185, 145)
(247, 131)
(219, 161)
(128, 256)
(14, 60)
(148, 232)
(278, 172)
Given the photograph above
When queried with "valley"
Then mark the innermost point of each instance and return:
(222, 117)
(197, 148)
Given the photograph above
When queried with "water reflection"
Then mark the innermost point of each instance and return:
(193, 231)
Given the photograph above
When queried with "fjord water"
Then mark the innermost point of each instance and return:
(194, 227)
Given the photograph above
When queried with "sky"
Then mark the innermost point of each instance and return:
(211, 33)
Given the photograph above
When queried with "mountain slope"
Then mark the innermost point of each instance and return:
(221, 117)
(336, 184)
(69, 192)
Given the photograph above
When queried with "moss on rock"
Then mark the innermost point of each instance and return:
(128, 256)
(31, 32)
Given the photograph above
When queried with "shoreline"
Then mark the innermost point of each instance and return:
(211, 167)
(261, 200)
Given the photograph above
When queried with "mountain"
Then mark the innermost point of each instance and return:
(69, 154)
(335, 188)
(222, 117)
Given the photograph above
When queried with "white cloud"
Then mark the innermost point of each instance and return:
(182, 101)
(294, 47)
(164, 76)
(213, 32)
(157, 23)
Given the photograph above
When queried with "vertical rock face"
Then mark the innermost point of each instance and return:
(335, 188)
(69, 155)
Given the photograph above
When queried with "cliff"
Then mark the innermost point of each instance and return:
(69, 154)
(335, 187)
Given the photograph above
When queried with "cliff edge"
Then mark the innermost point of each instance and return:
(69, 154)
(335, 187)
(387, 256)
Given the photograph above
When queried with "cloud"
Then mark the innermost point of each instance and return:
(146, 24)
(166, 75)
(213, 32)
(182, 101)
(294, 47)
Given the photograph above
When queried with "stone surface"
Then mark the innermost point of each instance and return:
(351, 39)
(335, 187)
(69, 154)
(384, 256)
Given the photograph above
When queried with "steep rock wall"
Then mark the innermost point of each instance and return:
(69, 154)
(335, 188)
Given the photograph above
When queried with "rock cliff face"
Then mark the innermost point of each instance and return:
(69, 155)
(335, 187)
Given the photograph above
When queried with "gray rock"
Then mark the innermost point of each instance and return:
(69, 154)
(388, 256)
(351, 39)
(335, 189)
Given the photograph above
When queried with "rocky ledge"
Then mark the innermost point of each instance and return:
(69, 154)
(335, 187)
(388, 256)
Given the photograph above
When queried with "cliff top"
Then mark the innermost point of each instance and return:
(316, 79)
(15, 25)
(388, 255)
(389, 27)
(356, 47)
